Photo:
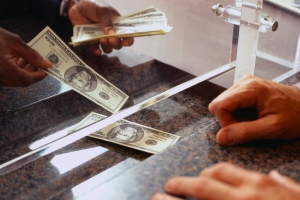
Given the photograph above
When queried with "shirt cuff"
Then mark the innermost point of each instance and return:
(63, 8)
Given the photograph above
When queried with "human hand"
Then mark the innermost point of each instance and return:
(226, 181)
(19, 64)
(278, 108)
(97, 11)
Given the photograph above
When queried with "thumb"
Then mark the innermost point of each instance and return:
(241, 132)
(97, 12)
(33, 57)
(105, 20)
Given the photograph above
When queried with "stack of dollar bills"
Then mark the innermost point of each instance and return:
(146, 22)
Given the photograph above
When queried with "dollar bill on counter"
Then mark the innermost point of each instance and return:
(130, 134)
(71, 70)
(146, 22)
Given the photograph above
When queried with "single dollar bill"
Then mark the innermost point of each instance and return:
(130, 134)
(71, 70)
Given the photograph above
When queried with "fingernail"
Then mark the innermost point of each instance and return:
(113, 39)
(158, 196)
(169, 185)
(225, 138)
(47, 62)
(111, 32)
(125, 43)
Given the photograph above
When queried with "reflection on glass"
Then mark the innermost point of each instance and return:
(295, 67)
(179, 109)
(296, 5)
(88, 189)
(48, 139)
(67, 161)
(64, 88)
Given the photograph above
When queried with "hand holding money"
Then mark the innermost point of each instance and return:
(19, 64)
(71, 70)
(146, 22)
(97, 11)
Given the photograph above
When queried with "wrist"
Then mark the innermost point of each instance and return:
(65, 6)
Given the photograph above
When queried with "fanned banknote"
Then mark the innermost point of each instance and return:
(130, 134)
(71, 70)
(146, 22)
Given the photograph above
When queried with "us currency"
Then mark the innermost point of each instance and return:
(71, 70)
(130, 134)
(92, 33)
(147, 22)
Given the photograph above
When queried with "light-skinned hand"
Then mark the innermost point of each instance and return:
(225, 181)
(278, 108)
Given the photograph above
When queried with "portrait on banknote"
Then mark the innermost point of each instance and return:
(126, 133)
(104, 96)
(81, 78)
(53, 58)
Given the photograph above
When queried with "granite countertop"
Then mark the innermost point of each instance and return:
(95, 169)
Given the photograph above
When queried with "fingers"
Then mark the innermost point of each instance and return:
(228, 102)
(37, 76)
(200, 187)
(21, 63)
(126, 42)
(100, 12)
(103, 15)
(88, 12)
(31, 56)
(283, 180)
(29, 75)
(29, 68)
(95, 49)
(108, 44)
(162, 196)
(240, 132)
(230, 174)
(248, 92)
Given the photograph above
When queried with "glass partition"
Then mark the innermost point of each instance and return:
(155, 73)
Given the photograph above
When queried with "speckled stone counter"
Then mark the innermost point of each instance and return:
(188, 158)
(95, 169)
(137, 75)
(191, 155)
(46, 109)
(183, 114)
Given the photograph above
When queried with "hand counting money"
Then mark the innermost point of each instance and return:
(130, 134)
(71, 70)
(147, 22)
